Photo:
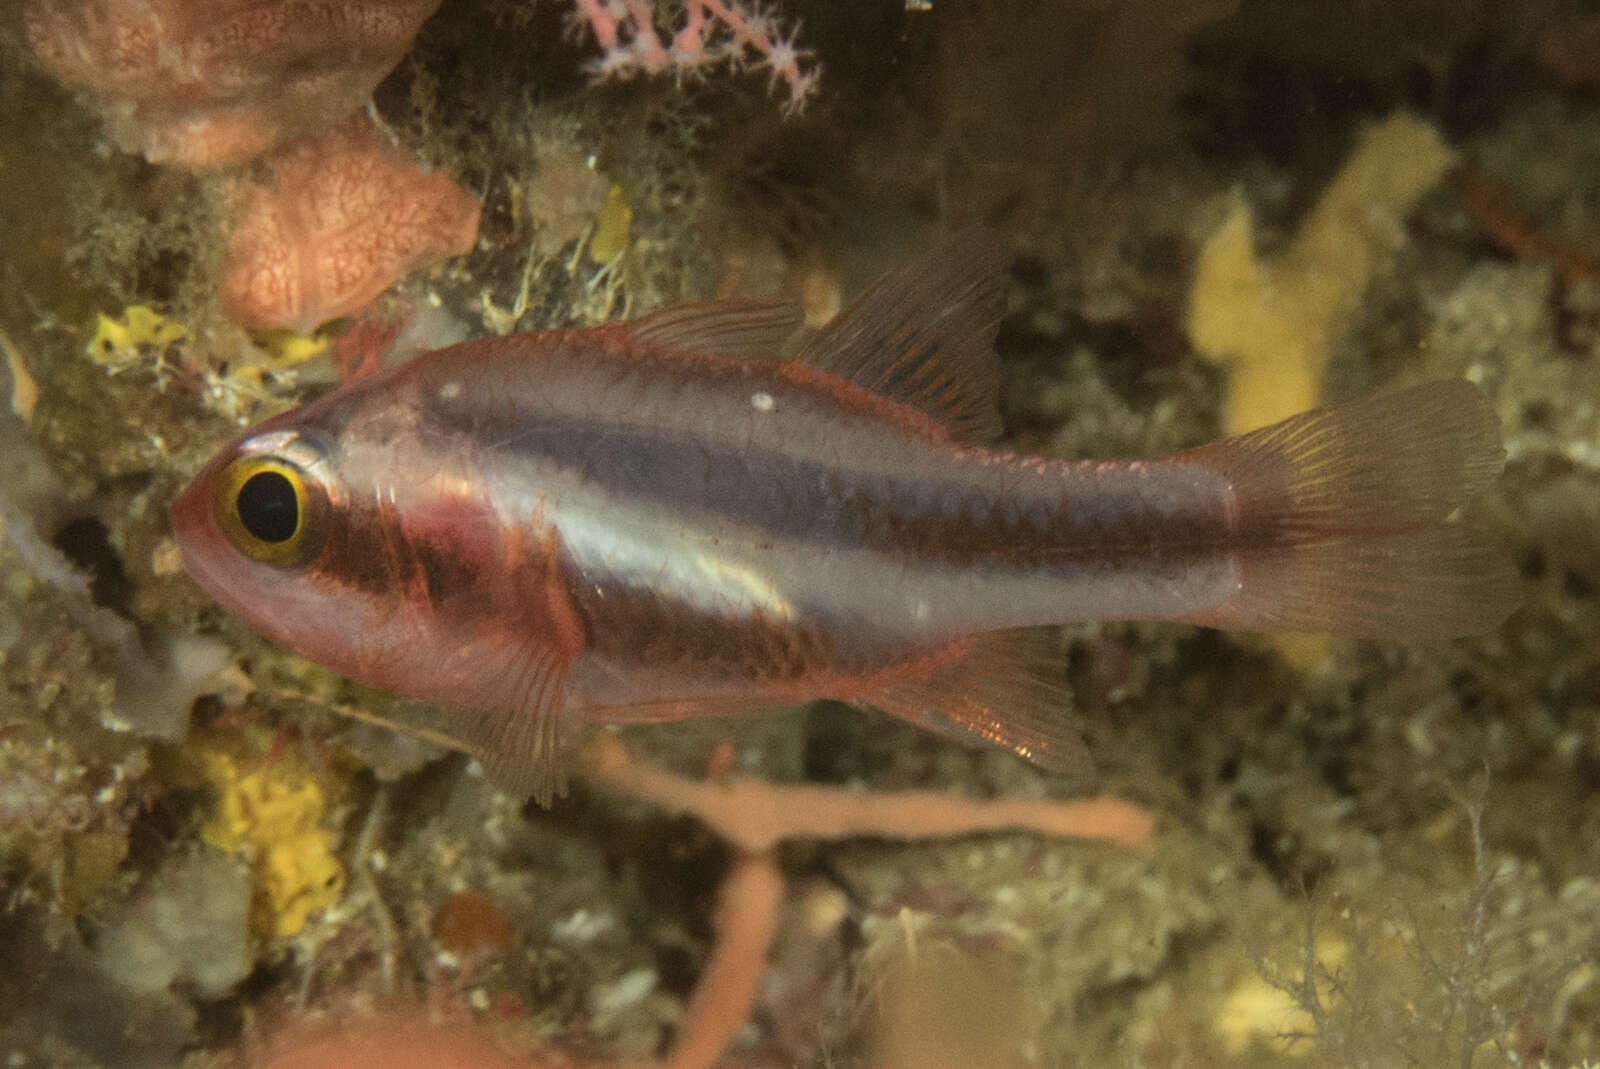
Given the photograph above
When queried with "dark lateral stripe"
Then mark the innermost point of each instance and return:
(789, 497)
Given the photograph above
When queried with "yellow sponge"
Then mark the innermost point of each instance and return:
(1256, 1011)
(270, 809)
(1274, 324)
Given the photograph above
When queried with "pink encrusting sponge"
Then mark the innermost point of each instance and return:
(389, 1043)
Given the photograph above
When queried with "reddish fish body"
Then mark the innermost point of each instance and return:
(643, 522)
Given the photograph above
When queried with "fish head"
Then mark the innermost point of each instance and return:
(253, 528)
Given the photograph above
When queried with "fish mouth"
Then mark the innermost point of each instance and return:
(194, 528)
(188, 515)
(201, 543)
(256, 593)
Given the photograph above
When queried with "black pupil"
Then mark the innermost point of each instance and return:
(267, 507)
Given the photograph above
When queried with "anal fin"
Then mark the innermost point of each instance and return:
(1006, 689)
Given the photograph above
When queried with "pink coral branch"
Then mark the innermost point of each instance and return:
(746, 922)
(713, 32)
(755, 815)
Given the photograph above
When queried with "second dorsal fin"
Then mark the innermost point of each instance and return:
(924, 335)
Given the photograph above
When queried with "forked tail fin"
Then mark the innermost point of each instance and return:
(1341, 519)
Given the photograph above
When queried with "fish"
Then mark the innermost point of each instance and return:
(682, 515)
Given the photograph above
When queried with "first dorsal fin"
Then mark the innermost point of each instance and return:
(924, 334)
(1006, 689)
(721, 328)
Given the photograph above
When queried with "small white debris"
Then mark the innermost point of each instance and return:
(627, 991)
(762, 401)
(165, 559)
(582, 927)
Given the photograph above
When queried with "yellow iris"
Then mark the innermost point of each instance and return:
(262, 507)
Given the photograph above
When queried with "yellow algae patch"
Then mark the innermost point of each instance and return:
(1274, 324)
(269, 810)
(1256, 1011)
(286, 348)
(117, 341)
(611, 227)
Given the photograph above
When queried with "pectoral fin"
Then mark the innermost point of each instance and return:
(512, 728)
(515, 704)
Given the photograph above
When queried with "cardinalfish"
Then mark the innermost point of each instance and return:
(663, 518)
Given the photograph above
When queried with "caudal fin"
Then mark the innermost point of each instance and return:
(1342, 519)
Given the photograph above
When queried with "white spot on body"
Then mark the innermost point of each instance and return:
(762, 401)
(450, 390)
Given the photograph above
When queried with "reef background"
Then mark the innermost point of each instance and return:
(1366, 855)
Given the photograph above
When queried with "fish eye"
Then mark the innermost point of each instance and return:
(268, 508)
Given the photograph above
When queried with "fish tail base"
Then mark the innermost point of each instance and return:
(1343, 519)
